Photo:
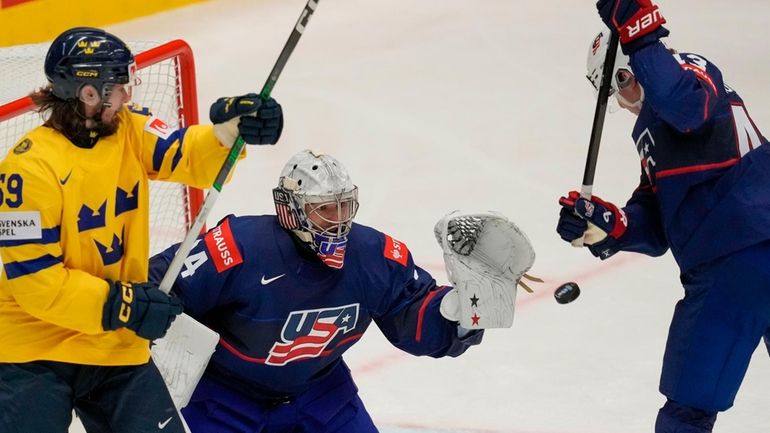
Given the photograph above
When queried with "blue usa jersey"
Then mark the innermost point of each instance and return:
(285, 319)
(705, 184)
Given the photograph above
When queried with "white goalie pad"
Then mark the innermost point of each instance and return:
(486, 256)
(182, 356)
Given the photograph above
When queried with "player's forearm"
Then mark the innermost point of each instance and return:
(644, 233)
(68, 298)
(195, 158)
(420, 329)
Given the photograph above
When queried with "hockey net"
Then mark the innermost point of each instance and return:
(167, 74)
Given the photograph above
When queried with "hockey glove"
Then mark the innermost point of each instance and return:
(598, 222)
(140, 307)
(257, 121)
(638, 22)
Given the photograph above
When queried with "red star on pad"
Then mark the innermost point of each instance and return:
(475, 319)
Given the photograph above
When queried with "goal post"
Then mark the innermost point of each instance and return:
(167, 74)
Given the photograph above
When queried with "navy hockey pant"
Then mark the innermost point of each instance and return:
(40, 396)
(330, 406)
(716, 328)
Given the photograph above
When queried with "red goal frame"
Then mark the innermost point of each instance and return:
(186, 93)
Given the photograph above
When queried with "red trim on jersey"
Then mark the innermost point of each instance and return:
(695, 168)
(247, 358)
(423, 307)
(222, 247)
(347, 340)
(238, 354)
(700, 73)
(396, 251)
(705, 77)
(706, 107)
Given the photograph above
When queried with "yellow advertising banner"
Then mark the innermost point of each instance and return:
(31, 21)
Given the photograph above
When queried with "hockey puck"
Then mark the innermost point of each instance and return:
(566, 293)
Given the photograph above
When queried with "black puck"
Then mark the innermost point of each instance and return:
(567, 293)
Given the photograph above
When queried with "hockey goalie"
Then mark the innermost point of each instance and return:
(290, 293)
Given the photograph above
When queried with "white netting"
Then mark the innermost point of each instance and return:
(21, 72)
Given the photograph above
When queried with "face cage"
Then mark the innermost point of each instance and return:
(293, 210)
(131, 80)
(317, 209)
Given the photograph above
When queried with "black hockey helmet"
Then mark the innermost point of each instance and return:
(86, 55)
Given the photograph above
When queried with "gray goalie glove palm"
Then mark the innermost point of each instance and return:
(486, 255)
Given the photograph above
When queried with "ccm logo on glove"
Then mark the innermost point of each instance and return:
(140, 307)
(128, 297)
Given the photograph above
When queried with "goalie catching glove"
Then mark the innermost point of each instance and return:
(486, 255)
(248, 116)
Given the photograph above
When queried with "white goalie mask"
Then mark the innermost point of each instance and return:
(317, 201)
(621, 73)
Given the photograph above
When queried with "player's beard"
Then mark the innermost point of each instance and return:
(108, 127)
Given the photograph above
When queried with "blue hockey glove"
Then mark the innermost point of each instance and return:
(570, 226)
(140, 307)
(598, 222)
(638, 22)
(257, 121)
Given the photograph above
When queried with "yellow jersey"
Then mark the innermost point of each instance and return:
(72, 217)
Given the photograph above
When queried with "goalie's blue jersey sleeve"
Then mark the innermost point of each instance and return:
(285, 318)
(705, 165)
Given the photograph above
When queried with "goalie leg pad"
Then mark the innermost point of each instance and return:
(182, 356)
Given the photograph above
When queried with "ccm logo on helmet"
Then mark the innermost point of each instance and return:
(222, 247)
(87, 74)
(642, 25)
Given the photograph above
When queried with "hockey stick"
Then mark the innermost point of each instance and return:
(184, 249)
(586, 190)
(182, 355)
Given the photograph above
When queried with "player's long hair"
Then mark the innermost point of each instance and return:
(67, 116)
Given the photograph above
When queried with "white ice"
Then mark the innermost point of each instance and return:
(436, 105)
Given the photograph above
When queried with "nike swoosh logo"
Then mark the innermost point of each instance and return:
(266, 281)
(63, 181)
(162, 425)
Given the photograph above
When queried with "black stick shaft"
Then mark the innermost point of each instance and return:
(299, 28)
(601, 110)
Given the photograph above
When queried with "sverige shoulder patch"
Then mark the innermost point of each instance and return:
(16, 226)
(396, 251)
(158, 127)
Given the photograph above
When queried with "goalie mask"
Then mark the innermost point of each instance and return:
(622, 74)
(317, 201)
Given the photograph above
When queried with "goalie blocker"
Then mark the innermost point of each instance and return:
(486, 256)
